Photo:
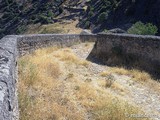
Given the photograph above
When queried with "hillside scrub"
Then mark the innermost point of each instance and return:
(143, 29)
(56, 28)
(120, 14)
(17, 15)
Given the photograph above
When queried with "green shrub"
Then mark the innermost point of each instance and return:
(143, 29)
(20, 29)
(50, 14)
(44, 19)
(87, 24)
(102, 17)
(91, 13)
(105, 30)
(91, 8)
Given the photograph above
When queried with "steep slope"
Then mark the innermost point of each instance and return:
(15, 15)
(97, 15)
(108, 14)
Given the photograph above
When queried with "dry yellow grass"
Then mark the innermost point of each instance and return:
(135, 74)
(109, 82)
(49, 90)
(69, 28)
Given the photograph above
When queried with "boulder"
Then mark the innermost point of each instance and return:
(85, 32)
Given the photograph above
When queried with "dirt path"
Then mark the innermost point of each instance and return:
(134, 92)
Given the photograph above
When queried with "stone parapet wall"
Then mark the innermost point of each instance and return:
(131, 51)
(29, 43)
(8, 78)
(12, 47)
(111, 49)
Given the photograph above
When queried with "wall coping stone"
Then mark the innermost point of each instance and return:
(147, 37)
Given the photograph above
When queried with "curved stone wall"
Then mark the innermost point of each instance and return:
(8, 78)
(130, 51)
(29, 43)
(112, 49)
(13, 46)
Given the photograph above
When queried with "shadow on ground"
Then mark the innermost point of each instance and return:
(127, 61)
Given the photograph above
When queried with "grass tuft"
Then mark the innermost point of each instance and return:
(135, 74)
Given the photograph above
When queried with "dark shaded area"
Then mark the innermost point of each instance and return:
(109, 14)
(128, 62)
(117, 56)
(16, 15)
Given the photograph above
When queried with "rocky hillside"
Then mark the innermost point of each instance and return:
(15, 15)
(109, 14)
(97, 15)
